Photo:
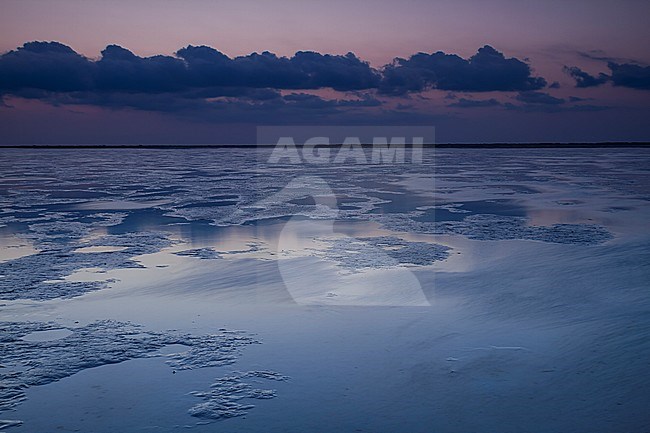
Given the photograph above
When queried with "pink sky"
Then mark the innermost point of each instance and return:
(547, 34)
(374, 30)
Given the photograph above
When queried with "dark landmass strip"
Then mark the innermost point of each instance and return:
(636, 144)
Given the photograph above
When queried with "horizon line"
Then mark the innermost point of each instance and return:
(609, 144)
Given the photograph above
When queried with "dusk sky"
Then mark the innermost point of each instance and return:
(478, 71)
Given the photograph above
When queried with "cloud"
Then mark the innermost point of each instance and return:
(558, 108)
(202, 78)
(305, 70)
(257, 105)
(120, 70)
(49, 66)
(52, 66)
(202, 82)
(584, 79)
(338, 72)
(313, 101)
(532, 102)
(600, 55)
(197, 81)
(487, 70)
(539, 98)
(473, 103)
(630, 75)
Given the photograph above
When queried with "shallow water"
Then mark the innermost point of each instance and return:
(483, 290)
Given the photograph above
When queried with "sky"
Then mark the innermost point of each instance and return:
(200, 71)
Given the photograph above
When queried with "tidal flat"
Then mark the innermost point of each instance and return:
(210, 290)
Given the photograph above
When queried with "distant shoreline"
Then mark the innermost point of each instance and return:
(235, 146)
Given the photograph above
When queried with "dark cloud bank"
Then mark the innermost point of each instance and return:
(488, 70)
(629, 75)
(200, 76)
(200, 79)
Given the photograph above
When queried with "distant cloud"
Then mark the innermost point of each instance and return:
(199, 81)
(539, 98)
(204, 72)
(554, 108)
(473, 103)
(305, 70)
(48, 66)
(531, 102)
(600, 55)
(203, 82)
(55, 67)
(629, 75)
(584, 79)
(487, 70)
